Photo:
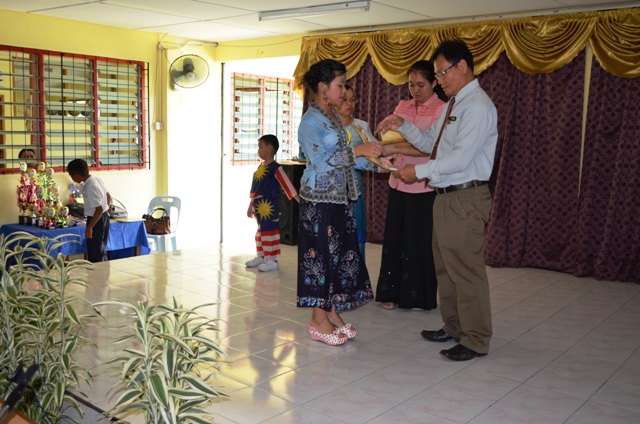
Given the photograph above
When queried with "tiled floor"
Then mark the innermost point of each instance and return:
(565, 349)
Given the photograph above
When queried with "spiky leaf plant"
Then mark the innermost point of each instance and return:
(40, 323)
(161, 378)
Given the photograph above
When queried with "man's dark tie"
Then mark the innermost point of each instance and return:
(444, 124)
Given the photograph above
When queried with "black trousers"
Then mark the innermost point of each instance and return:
(97, 245)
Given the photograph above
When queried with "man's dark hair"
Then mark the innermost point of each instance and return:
(454, 51)
(271, 140)
(78, 166)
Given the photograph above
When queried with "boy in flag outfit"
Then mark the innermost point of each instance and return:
(264, 205)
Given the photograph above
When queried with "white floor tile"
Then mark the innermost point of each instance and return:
(297, 387)
(542, 401)
(303, 415)
(450, 404)
(599, 413)
(393, 384)
(505, 414)
(252, 370)
(565, 349)
(402, 414)
(620, 395)
(480, 384)
(250, 406)
(351, 405)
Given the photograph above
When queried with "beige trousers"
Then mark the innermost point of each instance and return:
(459, 221)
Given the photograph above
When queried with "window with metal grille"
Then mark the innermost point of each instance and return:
(263, 105)
(59, 107)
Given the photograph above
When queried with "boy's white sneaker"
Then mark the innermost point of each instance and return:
(268, 266)
(258, 260)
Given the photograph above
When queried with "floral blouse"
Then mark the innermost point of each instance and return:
(329, 176)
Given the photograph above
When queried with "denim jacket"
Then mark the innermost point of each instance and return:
(329, 176)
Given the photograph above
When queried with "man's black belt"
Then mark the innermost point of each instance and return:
(470, 184)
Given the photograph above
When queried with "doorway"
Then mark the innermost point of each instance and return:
(238, 231)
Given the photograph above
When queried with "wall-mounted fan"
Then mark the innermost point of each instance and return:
(189, 71)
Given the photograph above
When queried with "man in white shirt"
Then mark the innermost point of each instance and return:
(96, 203)
(462, 145)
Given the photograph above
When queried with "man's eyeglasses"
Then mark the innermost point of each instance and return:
(440, 75)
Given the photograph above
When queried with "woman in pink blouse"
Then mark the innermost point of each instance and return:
(407, 274)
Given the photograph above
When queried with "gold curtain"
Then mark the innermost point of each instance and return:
(533, 45)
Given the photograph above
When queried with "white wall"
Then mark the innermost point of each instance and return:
(194, 172)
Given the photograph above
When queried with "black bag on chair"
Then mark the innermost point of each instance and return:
(117, 212)
(157, 226)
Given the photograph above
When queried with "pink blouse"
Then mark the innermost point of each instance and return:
(426, 114)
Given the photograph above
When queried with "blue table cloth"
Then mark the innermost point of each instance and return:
(124, 237)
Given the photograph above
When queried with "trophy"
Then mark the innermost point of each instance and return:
(63, 217)
(24, 194)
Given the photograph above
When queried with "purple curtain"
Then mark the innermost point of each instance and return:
(607, 240)
(377, 99)
(538, 219)
(536, 175)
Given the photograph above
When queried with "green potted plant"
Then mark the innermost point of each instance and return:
(161, 378)
(40, 324)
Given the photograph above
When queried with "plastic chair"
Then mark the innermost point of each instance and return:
(172, 205)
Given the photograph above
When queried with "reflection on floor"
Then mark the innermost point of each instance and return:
(565, 349)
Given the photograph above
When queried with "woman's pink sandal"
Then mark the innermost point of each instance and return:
(333, 339)
(347, 330)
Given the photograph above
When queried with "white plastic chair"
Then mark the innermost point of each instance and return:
(172, 205)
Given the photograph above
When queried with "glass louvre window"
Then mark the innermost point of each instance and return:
(121, 116)
(263, 105)
(68, 113)
(20, 122)
(62, 107)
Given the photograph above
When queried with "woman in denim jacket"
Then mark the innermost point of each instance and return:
(332, 275)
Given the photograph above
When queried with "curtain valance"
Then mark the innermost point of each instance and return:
(534, 45)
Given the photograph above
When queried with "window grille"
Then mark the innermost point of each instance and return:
(63, 106)
(263, 105)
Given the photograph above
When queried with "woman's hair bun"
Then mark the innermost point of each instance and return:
(324, 71)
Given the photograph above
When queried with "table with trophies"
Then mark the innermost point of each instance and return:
(126, 238)
(42, 214)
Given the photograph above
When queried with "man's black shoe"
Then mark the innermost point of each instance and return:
(435, 336)
(460, 353)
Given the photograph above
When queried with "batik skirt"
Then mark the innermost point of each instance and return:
(331, 270)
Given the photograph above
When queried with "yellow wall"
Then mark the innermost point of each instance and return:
(286, 45)
(133, 188)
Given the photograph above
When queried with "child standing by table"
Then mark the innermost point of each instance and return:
(96, 203)
(265, 204)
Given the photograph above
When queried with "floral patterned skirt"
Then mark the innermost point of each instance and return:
(331, 270)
